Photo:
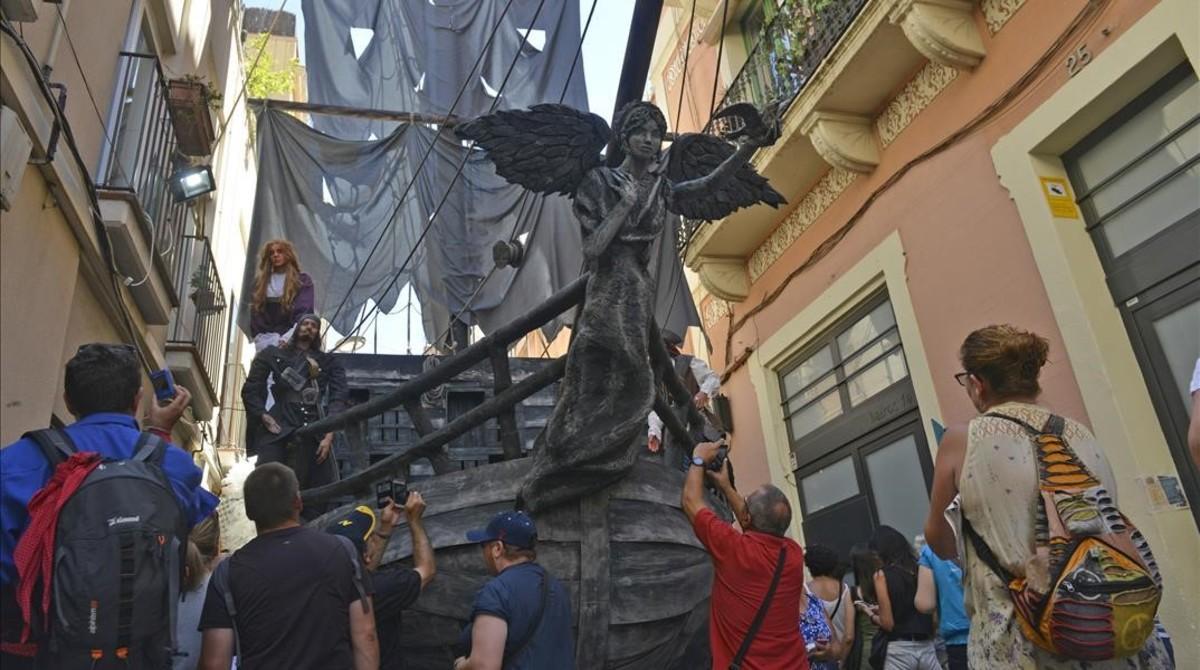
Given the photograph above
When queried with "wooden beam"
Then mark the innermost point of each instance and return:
(424, 426)
(431, 443)
(595, 582)
(455, 365)
(358, 112)
(510, 437)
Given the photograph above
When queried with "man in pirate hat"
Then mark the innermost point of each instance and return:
(304, 382)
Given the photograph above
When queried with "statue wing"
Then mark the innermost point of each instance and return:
(695, 155)
(547, 148)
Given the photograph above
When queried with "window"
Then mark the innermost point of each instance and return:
(849, 368)
(1137, 179)
(861, 459)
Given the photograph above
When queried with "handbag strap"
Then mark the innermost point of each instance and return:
(761, 614)
(537, 621)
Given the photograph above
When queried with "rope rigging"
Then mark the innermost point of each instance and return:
(525, 204)
(421, 166)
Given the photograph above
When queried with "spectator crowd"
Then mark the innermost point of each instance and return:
(110, 553)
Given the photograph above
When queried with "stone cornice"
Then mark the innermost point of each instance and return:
(996, 13)
(725, 278)
(912, 99)
(845, 141)
(822, 195)
(943, 31)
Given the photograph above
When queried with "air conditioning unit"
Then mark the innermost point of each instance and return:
(15, 148)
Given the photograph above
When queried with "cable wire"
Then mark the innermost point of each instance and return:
(103, 240)
(246, 75)
(687, 53)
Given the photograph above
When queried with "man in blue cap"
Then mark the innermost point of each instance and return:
(521, 618)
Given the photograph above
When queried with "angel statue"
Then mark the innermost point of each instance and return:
(622, 204)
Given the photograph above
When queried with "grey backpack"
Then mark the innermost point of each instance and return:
(118, 552)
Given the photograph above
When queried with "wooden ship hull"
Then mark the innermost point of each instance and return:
(639, 579)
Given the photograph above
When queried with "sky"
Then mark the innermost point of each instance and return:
(603, 52)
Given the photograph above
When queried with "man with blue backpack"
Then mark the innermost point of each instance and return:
(93, 521)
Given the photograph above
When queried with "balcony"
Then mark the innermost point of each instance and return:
(787, 52)
(842, 71)
(198, 328)
(144, 222)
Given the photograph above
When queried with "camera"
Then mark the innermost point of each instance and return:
(395, 489)
(718, 462)
(164, 385)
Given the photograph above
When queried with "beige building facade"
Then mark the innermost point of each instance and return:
(951, 164)
(102, 103)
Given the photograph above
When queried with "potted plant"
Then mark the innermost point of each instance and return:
(203, 295)
(190, 100)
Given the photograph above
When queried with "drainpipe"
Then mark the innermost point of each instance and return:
(55, 39)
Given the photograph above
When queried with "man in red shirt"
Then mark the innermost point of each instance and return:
(744, 564)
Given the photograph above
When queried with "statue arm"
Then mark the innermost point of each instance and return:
(713, 180)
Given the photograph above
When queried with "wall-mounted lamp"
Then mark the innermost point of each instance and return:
(191, 182)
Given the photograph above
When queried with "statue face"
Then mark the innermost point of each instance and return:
(644, 142)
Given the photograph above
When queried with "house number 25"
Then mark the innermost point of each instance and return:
(1078, 59)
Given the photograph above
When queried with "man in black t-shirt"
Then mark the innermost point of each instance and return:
(298, 600)
(395, 588)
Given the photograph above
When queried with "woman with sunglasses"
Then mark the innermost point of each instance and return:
(991, 466)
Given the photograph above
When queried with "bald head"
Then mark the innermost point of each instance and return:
(770, 511)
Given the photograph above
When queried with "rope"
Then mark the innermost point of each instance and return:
(457, 173)
(525, 196)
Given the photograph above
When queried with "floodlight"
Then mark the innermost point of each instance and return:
(192, 182)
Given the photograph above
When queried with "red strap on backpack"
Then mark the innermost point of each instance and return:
(34, 555)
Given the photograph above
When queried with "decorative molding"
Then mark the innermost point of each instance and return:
(997, 12)
(822, 195)
(844, 140)
(943, 31)
(912, 99)
(724, 277)
(715, 309)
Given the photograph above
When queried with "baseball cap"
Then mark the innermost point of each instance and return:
(515, 528)
(357, 524)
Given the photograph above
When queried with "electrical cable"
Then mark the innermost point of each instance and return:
(424, 158)
(996, 107)
(245, 78)
(687, 53)
(112, 146)
(712, 104)
(103, 240)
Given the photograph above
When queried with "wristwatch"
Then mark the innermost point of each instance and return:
(697, 461)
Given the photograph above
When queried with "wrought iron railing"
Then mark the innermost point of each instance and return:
(140, 160)
(198, 325)
(788, 51)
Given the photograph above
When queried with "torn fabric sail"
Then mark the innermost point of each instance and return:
(333, 198)
(416, 56)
